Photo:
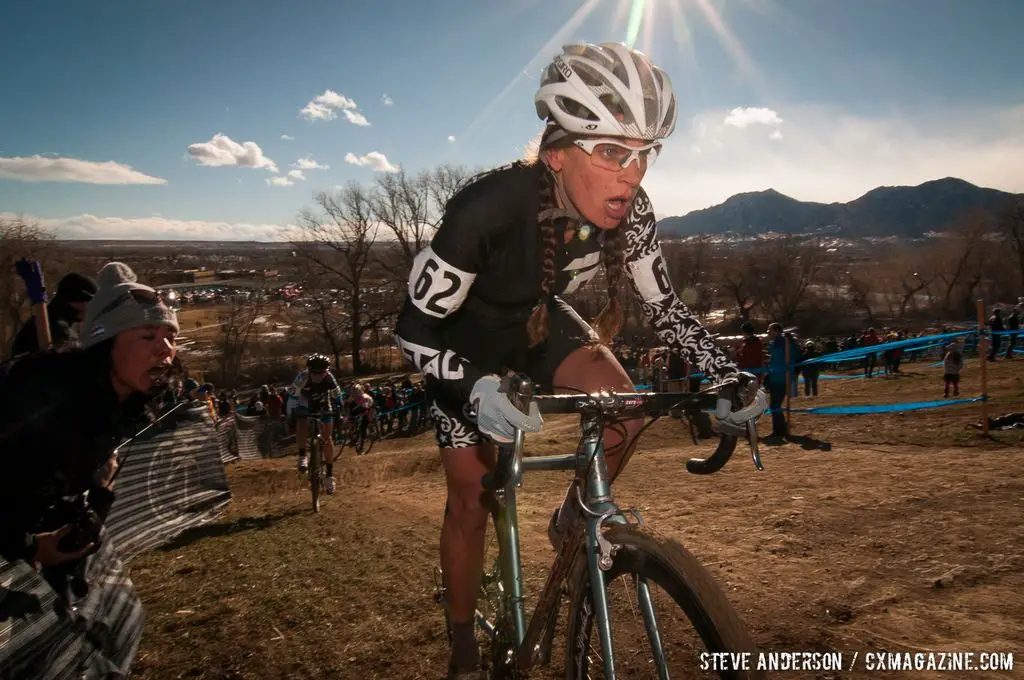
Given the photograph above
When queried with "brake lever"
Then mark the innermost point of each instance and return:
(755, 453)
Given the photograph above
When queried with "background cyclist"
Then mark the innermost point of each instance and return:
(318, 392)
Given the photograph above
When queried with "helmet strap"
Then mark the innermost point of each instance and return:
(564, 202)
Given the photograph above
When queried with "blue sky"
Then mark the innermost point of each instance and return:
(819, 99)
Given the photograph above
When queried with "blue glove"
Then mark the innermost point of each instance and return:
(32, 274)
(496, 416)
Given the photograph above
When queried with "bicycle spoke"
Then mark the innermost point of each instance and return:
(638, 631)
(643, 593)
(664, 611)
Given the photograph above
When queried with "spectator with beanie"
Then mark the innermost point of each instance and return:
(61, 416)
(66, 309)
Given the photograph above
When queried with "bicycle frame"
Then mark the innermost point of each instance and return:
(599, 507)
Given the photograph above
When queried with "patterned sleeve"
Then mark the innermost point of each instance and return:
(334, 393)
(673, 322)
(442, 275)
(299, 384)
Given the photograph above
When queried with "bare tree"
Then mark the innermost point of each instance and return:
(411, 209)
(738, 279)
(1011, 226)
(686, 263)
(786, 268)
(859, 291)
(340, 234)
(962, 261)
(331, 321)
(913, 273)
(236, 328)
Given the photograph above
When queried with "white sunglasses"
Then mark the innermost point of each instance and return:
(612, 154)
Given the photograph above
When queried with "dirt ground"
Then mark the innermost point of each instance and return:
(892, 532)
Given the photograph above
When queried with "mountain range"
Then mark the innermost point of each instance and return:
(909, 211)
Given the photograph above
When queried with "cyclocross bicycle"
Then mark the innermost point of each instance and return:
(317, 470)
(609, 563)
(349, 432)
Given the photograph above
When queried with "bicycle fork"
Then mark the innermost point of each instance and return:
(600, 552)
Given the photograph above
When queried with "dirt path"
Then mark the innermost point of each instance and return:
(825, 550)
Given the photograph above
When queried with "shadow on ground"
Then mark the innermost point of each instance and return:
(803, 441)
(228, 528)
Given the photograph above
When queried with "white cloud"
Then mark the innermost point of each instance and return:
(386, 100)
(741, 118)
(355, 117)
(279, 182)
(451, 138)
(776, 134)
(157, 227)
(222, 150)
(374, 159)
(829, 155)
(44, 169)
(325, 106)
(297, 174)
(308, 163)
(287, 138)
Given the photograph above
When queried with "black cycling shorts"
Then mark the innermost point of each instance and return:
(326, 416)
(501, 348)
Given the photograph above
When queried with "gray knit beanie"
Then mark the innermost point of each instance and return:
(121, 303)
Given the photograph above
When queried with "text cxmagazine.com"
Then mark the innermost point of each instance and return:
(870, 660)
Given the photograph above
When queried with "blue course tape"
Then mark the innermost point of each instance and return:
(859, 352)
(922, 347)
(863, 409)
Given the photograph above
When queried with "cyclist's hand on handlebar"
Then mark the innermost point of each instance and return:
(741, 403)
(496, 416)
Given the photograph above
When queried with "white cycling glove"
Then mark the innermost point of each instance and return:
(751, 403)
(496, 416)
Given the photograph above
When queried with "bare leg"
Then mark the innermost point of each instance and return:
(462, 542)
(593, 368)
(590, 369)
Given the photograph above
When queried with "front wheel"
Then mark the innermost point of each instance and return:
(365, 443)
(316, 456)
(655, 581)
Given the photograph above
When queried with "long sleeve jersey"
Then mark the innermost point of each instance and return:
(484, 262)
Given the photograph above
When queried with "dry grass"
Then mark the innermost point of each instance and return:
(831, 547)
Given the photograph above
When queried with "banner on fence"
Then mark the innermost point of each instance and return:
(172, 478)
(258, 437)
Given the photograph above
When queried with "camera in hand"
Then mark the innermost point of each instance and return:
(85, 529)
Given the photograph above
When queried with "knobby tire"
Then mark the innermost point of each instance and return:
(669, 565)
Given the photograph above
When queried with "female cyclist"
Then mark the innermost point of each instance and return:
(483, 296)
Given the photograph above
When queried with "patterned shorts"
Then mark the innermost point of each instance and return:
(453, 427)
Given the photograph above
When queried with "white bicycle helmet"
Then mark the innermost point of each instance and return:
(607, 89)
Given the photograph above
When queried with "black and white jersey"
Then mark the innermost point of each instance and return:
(483, 268)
